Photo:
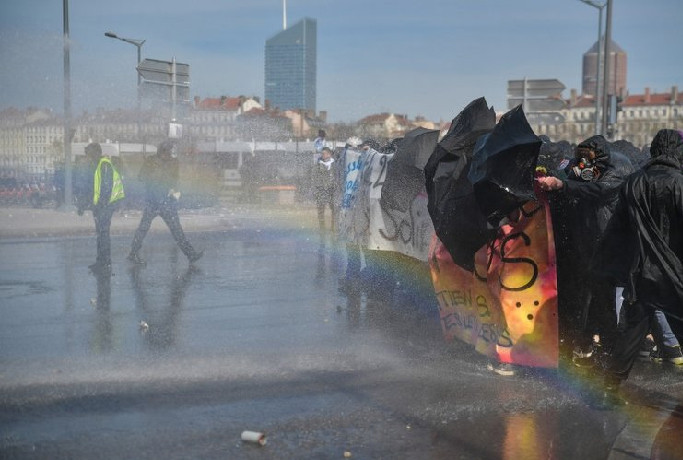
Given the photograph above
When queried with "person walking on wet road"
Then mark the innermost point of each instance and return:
(106, 192)
(159, 173)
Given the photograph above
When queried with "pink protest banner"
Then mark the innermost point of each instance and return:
(507, 308)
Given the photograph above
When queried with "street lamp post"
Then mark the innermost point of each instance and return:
(138, 44)
(600, 7)
(606, 67)
(68, 201)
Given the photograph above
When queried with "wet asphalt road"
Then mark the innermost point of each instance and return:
(257, 337)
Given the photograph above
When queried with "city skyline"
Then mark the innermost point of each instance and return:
(429, 59)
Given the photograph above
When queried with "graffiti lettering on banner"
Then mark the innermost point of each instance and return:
(352, 167)
(383, 228)
(507, 307)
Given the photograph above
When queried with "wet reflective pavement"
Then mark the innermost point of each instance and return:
(171, 361)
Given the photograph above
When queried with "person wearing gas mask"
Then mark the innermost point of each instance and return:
(159, 173)
(582, 203)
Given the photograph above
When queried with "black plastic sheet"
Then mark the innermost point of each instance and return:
(503, 166)
(457, 219)
(405, 171)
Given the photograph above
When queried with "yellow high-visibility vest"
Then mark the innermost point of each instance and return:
(116, 188)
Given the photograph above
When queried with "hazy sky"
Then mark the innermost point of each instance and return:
(427, 57)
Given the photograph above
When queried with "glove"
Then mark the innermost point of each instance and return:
(174, 194)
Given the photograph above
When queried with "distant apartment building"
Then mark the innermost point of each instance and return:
(639, 117)
(31, 140)
(215, 118)
(384, 126)
(30, 143)
(290, 67)
(642, 115)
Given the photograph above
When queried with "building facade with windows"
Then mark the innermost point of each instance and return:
(31, 140)
(638, 118)
(291, 67)
(216, 118)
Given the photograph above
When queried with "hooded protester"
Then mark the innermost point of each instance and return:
(644, 252)
(581, 207)
(159, 173)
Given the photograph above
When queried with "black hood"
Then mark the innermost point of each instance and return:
(667, 142)
(601, 148)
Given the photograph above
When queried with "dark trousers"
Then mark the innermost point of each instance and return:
(587, 306)
(102, 216)
(379, 276)
(352, 262)
(168, 211)
(323, 198)
(637, 319)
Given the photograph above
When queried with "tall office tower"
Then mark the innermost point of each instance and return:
(290, 67)
(617, 70)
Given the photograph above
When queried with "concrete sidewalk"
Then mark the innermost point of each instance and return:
(17, 222)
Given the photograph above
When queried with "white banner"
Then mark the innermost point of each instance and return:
(352, 167)
(365, 222)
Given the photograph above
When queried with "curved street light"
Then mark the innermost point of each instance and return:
(138, 44)
(600, 7)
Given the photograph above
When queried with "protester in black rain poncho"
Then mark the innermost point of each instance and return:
(644, 251)
(581, 208)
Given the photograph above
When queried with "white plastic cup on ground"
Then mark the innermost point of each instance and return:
(254, 436)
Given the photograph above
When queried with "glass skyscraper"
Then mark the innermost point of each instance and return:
(290, 67)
